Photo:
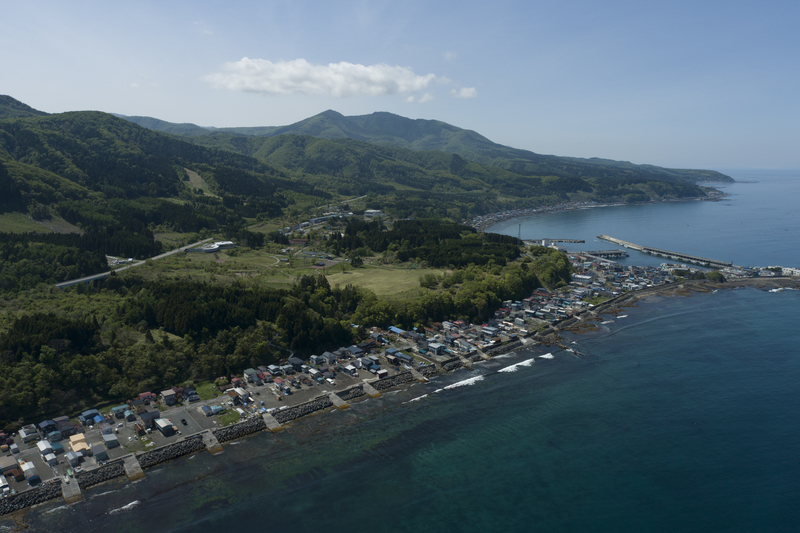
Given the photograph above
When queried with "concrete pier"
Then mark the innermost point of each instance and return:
(466, 362)
(132, 467)
(211, 443)
(675, 256)
(418, 376)
(338, 402)
(370, 390)
(71, 491)
(272, 424)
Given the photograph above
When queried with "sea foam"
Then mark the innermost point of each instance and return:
(471, 381)
(546, 356)
(515, 367)
(124, 507)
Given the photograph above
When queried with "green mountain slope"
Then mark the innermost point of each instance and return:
(387, 129)
(12, 108)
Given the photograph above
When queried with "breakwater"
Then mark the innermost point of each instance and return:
(676, 256)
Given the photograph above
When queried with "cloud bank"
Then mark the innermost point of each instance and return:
(301, 77)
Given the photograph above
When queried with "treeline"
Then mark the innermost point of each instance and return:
(436, 242)
(29, 259)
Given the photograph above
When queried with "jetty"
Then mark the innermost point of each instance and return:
(676, 256)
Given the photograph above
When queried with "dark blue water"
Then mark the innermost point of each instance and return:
(682, 416)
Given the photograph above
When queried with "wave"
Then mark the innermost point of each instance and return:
(54, 509)
(622, 316)
(418, 398)
(93, 496)
(125, 507)
(471, 381)
(546, 356)
(607, 322)
(515, 367)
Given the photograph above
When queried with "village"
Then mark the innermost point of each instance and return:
(60, 448)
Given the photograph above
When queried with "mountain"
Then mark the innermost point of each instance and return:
(387, 129)
(185, 129)
(12, 108)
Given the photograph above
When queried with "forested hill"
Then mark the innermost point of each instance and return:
(12, 108)
(387, 129)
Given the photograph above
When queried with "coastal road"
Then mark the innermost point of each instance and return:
(103, 275)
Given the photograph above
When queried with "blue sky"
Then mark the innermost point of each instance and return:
(706, 84)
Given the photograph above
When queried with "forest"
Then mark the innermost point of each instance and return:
(111, 339)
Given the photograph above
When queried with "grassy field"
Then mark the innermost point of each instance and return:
(22, 223)
(382, 281)
(198, 182)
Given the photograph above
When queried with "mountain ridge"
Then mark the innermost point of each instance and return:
(387, 129)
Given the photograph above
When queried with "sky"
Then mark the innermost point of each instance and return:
(688, 84)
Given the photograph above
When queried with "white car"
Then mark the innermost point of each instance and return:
(332, 383)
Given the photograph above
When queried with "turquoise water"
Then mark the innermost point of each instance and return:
(682, 416)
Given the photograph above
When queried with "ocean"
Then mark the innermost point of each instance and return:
(681, 414)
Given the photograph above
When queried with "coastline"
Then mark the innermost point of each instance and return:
(190, 444)
(484, 222)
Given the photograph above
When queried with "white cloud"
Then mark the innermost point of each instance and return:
(449, 56)
(427, 97)
(464, 92)
(335, 79)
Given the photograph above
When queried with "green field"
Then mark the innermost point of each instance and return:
(382, 281)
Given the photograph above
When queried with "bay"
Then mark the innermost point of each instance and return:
(756, 224)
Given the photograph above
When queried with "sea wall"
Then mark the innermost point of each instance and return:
(293, 413)
(393, 381)
(452, 364)
(352, 393)
(240, 429)
(192, 444)
(90, 478)
(428, 370)
(29, 498)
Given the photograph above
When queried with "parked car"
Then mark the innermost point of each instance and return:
(183, 421)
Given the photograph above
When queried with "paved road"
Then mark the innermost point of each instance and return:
(104, 275)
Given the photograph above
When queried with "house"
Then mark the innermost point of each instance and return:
(7, 464)
(119, 411)
(78, 443)
(129, 416)
(46, 427)
(149, 418)
(317, 360)
(91, 416)
(57, 448)
(350, 369)
(250, 375)
(50, 459)
(44, 447)
(169, 397)
(296, 363)
(73, 458)
(382, 373)
(165, 427)
(66, 427)
(110, 441)
(436, 348)
(329, 358)
(99, 452)
(54, 436)
(28, 433)
(139, 405)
